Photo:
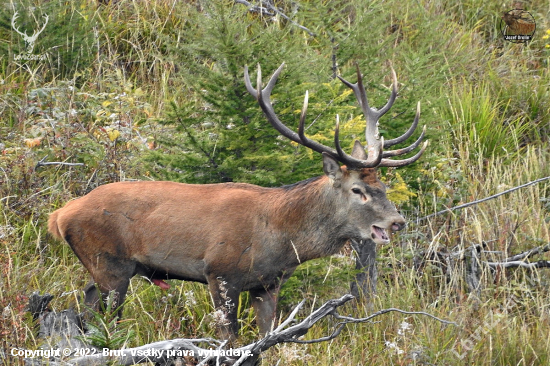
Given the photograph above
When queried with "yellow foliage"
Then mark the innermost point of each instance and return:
(32, 142)
(399, 192)
(113, 134)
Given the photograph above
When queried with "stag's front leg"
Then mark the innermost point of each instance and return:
(264, 301)
(265, 304)
(226, 302)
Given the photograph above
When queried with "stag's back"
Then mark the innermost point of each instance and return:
(131, 219)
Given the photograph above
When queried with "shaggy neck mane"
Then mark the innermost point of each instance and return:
(305, 213)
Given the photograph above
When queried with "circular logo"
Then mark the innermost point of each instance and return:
(517, 26)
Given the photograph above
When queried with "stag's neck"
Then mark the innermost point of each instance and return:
(307, 217)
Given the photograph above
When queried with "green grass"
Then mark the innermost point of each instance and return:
(485, 103)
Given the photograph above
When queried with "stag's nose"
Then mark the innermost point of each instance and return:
(398, 225)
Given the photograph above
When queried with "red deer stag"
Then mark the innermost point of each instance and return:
(236, 237)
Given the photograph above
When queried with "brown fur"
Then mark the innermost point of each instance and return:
(233, 237)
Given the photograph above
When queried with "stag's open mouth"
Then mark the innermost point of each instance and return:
(379, 235)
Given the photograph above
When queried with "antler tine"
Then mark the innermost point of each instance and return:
(258, 93)
(371, 115)
(409, 132)
(359, 92)
(400, 163)
(272, 81)
(393, 95)
(375, 144)
(373, 159)
(264, 99)
(341, 152)
(248, 84)
(373, 156)
(387, 154)
(372, 134)
(259, 82)
(303, 118)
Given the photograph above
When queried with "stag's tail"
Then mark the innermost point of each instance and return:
(52, 226)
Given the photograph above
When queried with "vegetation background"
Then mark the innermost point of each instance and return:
(153, 89)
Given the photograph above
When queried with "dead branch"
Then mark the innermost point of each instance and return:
(42, 162)
(528, 253)
(516, 264)
(256, 8)
(473, 271)
(162, 352)
(267, 8)
(475, 259)
(510, 262)
(483, 199)
(385, 311)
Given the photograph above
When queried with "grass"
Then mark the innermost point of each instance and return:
(486, 104)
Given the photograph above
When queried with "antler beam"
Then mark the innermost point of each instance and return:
(374, 156)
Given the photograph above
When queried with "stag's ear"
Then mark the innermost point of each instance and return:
(332, 169)
(358, 151)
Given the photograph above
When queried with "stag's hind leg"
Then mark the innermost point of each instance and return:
(92, 299)
(110, 276)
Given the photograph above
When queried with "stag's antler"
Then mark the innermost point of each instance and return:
(374, 155)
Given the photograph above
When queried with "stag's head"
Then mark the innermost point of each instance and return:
(360, 195)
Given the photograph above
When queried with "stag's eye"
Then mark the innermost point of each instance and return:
(361, 194)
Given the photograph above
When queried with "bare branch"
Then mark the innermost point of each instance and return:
(255, 8)
(384, 311)
(247, 355)
(266, 8)
(472, 265)
(484, 199)
(511, 264)
(290, 317)
(528, 253)
(42, 162)
(281, 14)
